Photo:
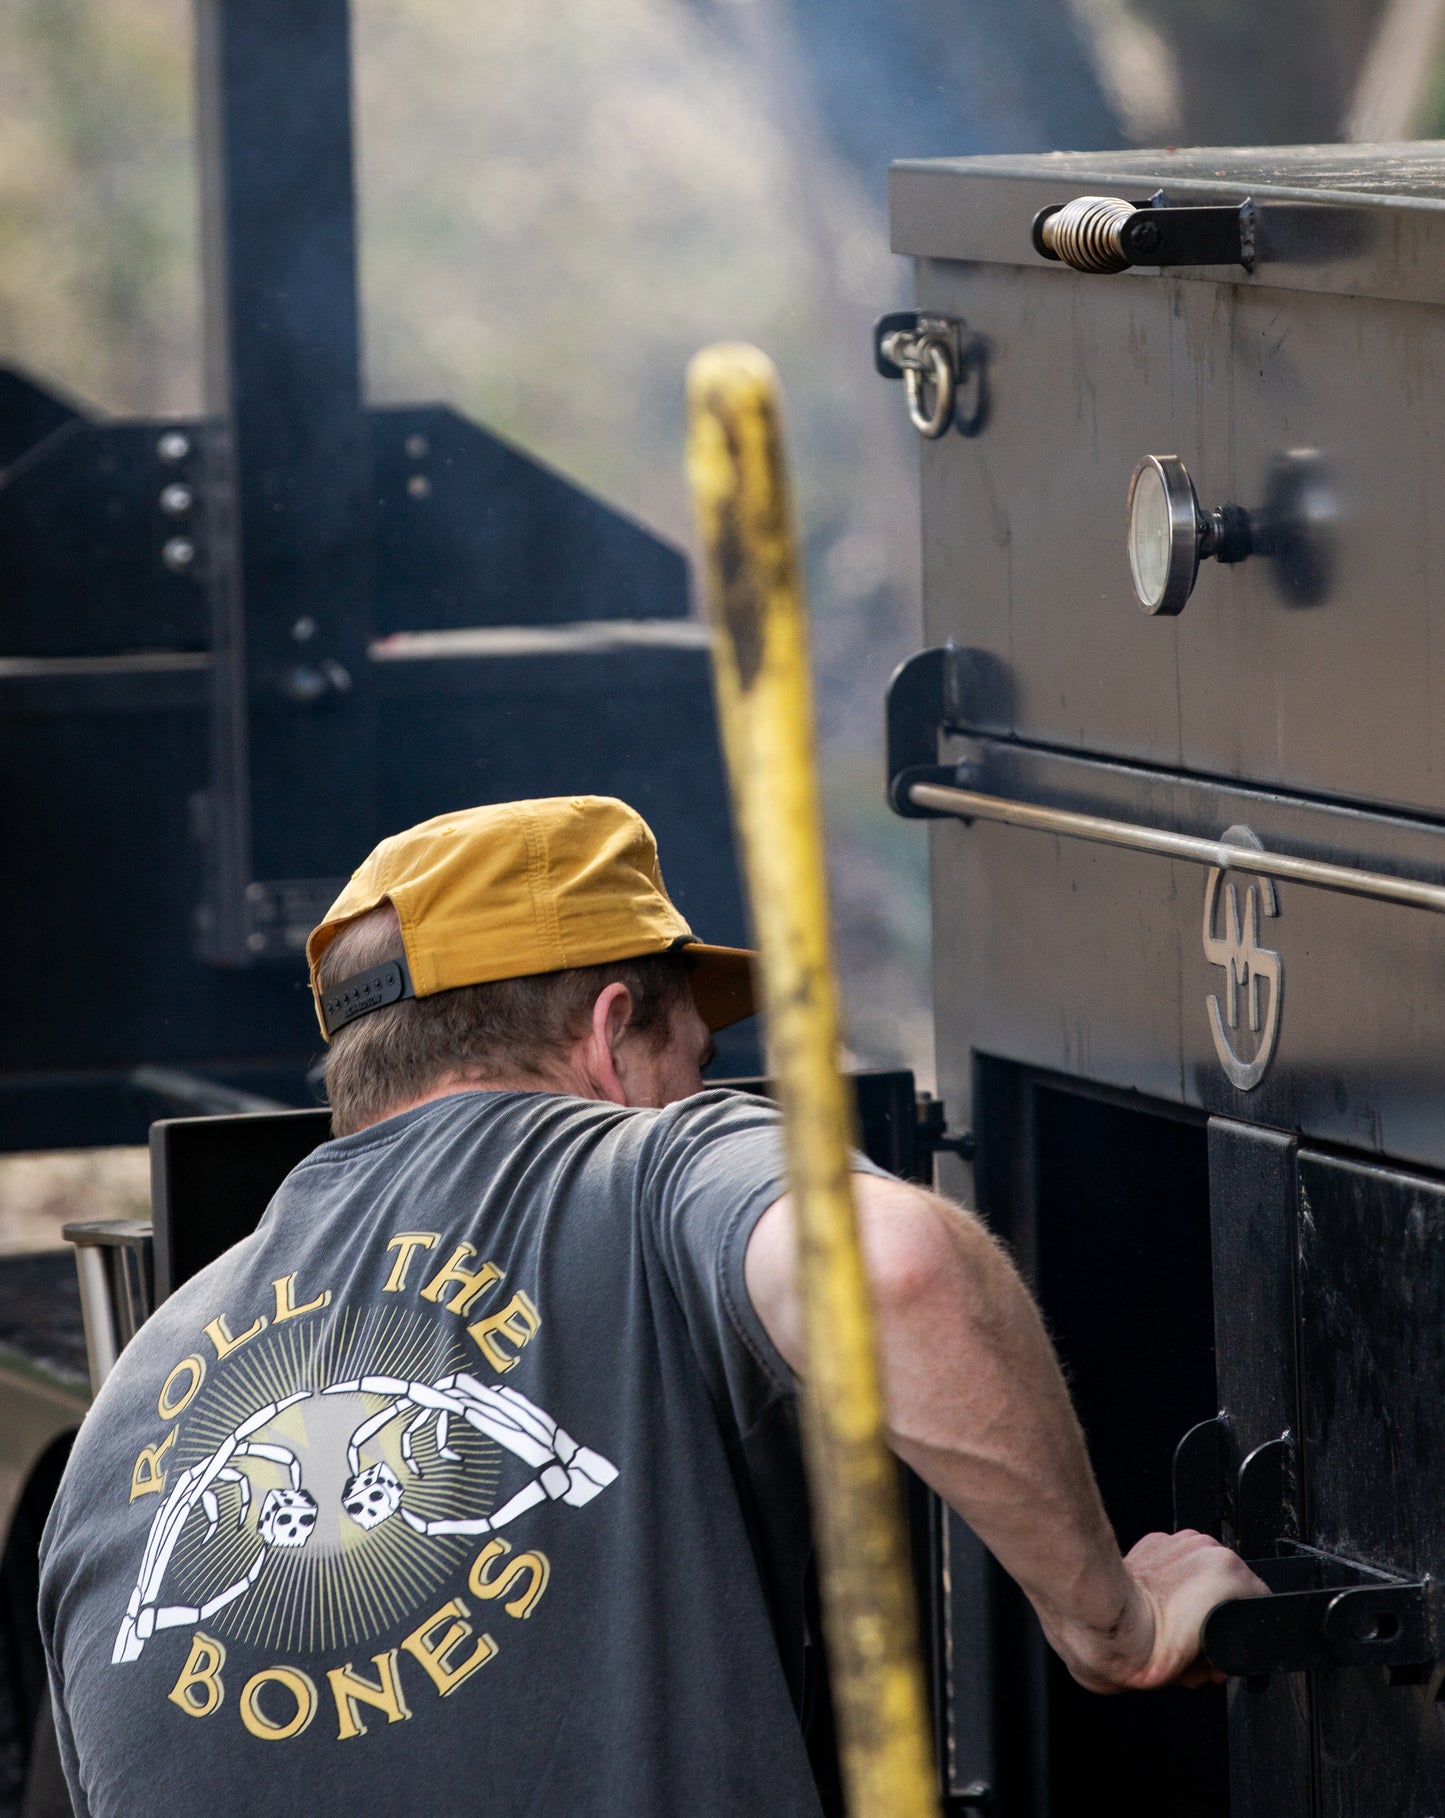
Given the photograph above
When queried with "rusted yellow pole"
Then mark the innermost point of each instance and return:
(755, 599)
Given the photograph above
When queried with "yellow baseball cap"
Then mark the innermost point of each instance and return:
(520, 888)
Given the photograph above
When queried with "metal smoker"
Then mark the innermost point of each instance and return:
(1178, 729)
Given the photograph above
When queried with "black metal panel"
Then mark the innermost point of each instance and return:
(103, 534)
(1372, 1355)
(213, 1177)
(1252, 1203)
(471, 531)
(83, 536)
(29, 415)
(286, 540)
(109, 976)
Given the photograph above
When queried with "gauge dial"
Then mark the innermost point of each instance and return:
(1164, 533)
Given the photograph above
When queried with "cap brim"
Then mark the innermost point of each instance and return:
(722, 982)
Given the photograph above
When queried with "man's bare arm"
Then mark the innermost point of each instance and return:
(978, 1407)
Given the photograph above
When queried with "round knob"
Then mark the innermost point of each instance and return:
(1168, 534)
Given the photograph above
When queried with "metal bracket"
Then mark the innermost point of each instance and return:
(1266, 1513)
(932, 357)
(1347, 1616)
(924, 700)
(1098, 233)
(934, 1136)
(1251, 1506)
(1323, 1611)
(1204, 1478)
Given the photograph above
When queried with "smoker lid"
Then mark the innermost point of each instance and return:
(1355, 219)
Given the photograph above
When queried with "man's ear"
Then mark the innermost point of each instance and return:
(611, 1015)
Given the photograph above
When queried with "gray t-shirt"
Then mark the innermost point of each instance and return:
(469, 1482)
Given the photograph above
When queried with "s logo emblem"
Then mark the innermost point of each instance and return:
(1255, 972)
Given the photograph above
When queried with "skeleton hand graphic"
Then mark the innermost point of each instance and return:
(286, 1520)
(566, 1472)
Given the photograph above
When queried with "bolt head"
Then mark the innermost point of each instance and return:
(179, 554)
(173, 446)
(177, 499)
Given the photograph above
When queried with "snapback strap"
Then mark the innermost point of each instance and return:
(373, 989)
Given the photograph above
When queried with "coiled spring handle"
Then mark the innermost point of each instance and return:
(1107, 234)
(1087, 233)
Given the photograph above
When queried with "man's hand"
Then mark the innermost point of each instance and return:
(1176, 1580)
(977, 1406)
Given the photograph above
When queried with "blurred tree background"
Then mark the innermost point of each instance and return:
(560, 204)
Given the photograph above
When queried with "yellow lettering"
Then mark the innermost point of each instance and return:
(404, 1243)
(286, 1307)
(169, 1404)
(517, 1321)
(201, 1676)
(486, 1585)
(148, 1475)
(433, 1654)
(471, 1284)
(301, 1689)
(352, 1689)
(219, 1334)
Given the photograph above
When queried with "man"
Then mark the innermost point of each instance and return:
(470, 1481)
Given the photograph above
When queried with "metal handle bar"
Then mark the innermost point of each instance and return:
(969, 806)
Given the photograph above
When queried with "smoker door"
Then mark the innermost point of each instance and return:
(1103, 1200)
(1330, 1325)
(1372, 1369)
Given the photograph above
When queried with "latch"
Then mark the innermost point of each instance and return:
(926, 352)
(1108, 234)
(1325, 1610)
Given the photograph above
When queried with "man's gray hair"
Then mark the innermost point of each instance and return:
(516, 1028)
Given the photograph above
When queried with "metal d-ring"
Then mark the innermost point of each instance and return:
(934, 356)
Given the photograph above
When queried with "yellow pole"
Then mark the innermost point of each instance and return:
(755, 599)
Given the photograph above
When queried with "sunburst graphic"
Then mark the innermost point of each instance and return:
(346, 1582)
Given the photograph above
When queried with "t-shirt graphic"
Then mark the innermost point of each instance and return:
(324, 1485)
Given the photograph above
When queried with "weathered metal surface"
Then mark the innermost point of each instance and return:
(1355, 220)
(1313, 407)
(1092, 961)
(1291, 706)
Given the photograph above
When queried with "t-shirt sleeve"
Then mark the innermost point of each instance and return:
(720, 1164)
